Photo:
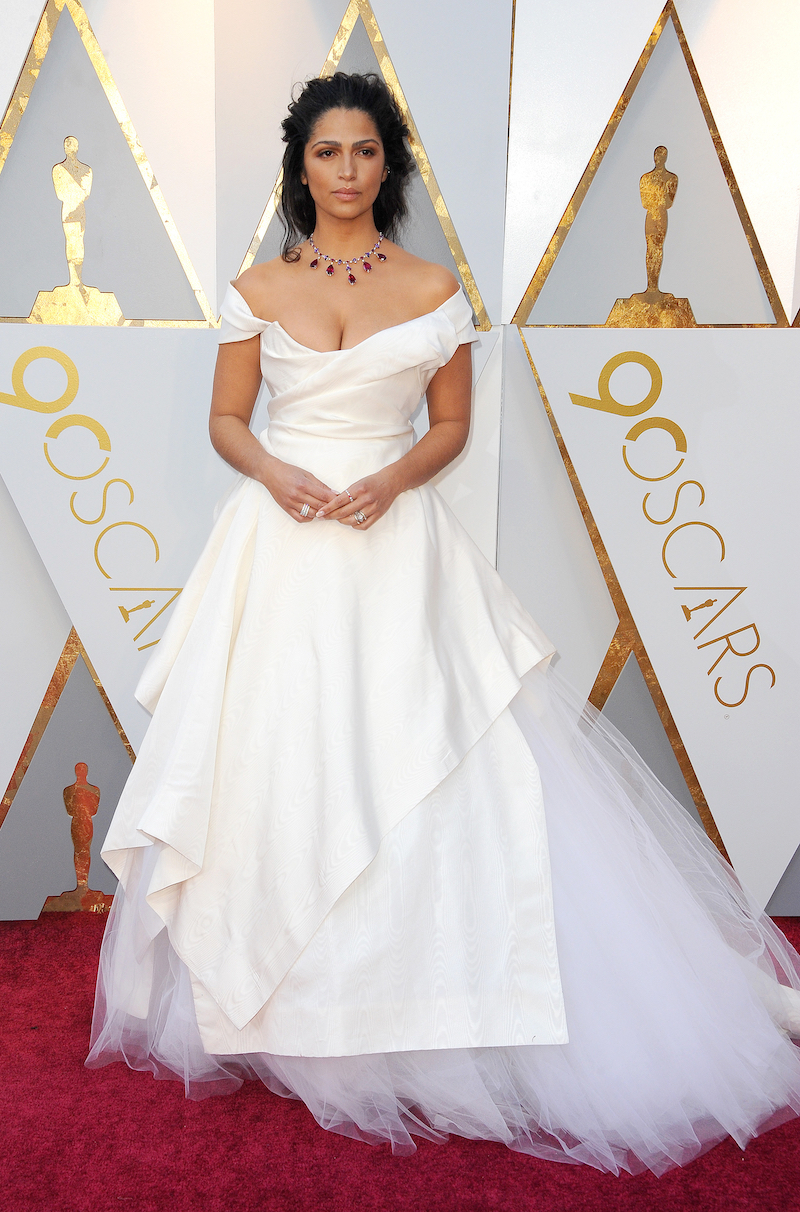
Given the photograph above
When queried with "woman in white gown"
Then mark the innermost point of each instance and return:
(370, 851)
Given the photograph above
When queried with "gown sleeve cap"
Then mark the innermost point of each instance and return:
(237, 320)
(459, 310)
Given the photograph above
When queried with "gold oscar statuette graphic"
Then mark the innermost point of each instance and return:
(74, 303)
(688, 611)
(652, 308)
(81, 801)
(126, 612)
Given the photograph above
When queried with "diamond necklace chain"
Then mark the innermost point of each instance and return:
(348, 262)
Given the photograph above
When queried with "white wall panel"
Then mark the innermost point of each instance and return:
(33, 630)
(452, 61)
(36, 850)
(18, 22)
(571, 63)
(544, 550)
(747, 57)
(149, 390)
(127, 248)
(161, 56)
(263, 48)
(726, 660)
(706, 253)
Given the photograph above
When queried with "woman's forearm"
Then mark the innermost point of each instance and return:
(294, 489)
(443, 442)
(239, 446)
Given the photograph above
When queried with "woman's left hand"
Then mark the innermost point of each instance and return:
(363, 502)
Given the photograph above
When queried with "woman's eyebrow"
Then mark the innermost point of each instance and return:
(336, 143)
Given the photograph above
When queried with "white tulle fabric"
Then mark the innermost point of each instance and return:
(374, 853)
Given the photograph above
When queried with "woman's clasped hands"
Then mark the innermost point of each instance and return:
(305, 498)
(364, 502)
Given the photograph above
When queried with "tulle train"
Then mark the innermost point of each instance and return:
(680, 994)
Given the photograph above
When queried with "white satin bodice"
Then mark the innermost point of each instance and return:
(342, 413)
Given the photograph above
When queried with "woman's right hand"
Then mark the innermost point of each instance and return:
(293, 488)
(236, 383)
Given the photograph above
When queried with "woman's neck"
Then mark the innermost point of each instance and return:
(345, 237)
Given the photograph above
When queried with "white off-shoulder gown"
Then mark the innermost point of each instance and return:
(372, 852)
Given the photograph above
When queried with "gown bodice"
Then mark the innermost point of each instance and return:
(341, 413)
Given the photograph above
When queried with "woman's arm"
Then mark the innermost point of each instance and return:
(449, 394)
(237, 379)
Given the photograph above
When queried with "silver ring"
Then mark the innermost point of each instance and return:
(359, 516)
(305, 511)
(347, 490)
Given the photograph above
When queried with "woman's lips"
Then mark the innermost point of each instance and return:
(346, 195)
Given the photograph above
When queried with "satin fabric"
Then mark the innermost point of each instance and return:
(375, 854)
(316, 685)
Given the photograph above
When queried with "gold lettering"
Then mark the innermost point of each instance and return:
(682, 526)
(736, 590)
(22, 398)
(58, 427)
(102, 514)
(606, 402)
(750, 671)
(726, 639)
(664, 521)
(172, 590)
(675, 432)
(113, 526)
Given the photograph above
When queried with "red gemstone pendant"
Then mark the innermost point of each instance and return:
(348, 265)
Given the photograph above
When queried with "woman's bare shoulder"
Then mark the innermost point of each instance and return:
(429, 283)
(262, 286)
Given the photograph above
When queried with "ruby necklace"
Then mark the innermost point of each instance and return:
(348, 262)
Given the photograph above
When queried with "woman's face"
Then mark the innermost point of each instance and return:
(344, 163)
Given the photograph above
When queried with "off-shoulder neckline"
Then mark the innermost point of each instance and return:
(308, 348)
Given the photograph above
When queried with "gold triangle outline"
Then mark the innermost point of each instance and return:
(72, 650)
(626, 638)
(544, 267)
(363, 9)
(26, 82)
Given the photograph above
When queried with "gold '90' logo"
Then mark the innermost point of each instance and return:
(741, 641)
(21, 397)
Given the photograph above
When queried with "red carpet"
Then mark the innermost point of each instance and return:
(80, 1141)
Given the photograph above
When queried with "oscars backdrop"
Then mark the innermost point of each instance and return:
(615, 186)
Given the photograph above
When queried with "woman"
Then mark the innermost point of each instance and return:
(370, 852)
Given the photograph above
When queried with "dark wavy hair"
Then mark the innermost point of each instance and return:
(369, 94)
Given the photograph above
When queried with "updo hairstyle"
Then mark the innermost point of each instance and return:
(369, 94)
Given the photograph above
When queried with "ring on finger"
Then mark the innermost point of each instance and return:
(347, 490)
(359, 517)
(305, 511)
